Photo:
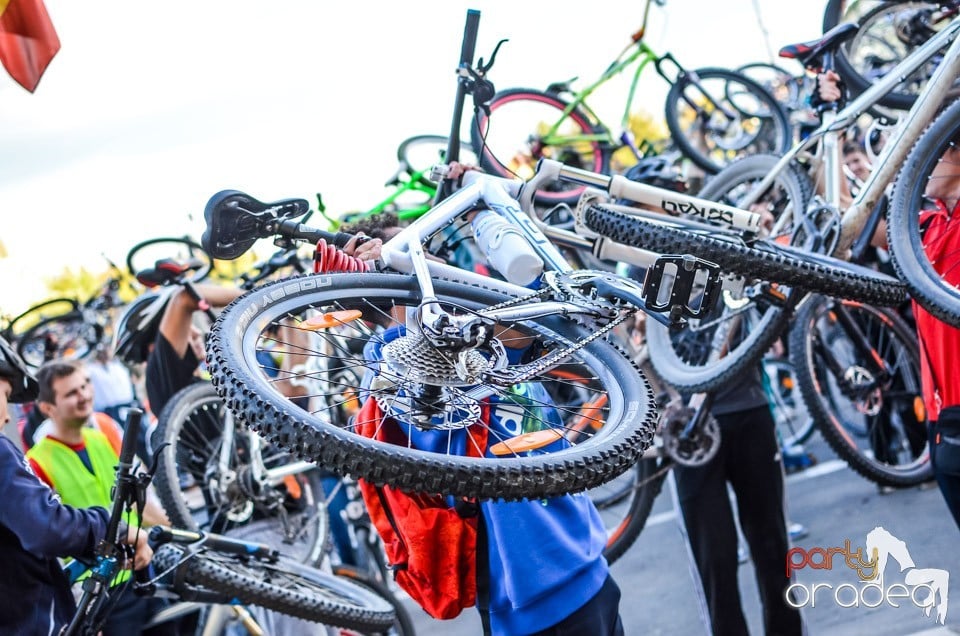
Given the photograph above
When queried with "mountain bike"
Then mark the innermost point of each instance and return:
(461, 323)
(210, 568)
(713, 115)
(888, 32)
(910, 156)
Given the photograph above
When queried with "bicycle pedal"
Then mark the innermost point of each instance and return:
(694, 285)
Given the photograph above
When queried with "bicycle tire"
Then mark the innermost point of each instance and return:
(759, 125)
(690, 357)
(73, 338)
(196, 495)
(628, 416)
(193, 251)
(287, 586)
(624, 504)
(876, 30)
(927, 286)
(764, 260)
(38, 312)
(403, 624)
(784, 86)
(890, 415)
(503, 152)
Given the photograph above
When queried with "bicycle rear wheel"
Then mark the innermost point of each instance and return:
(716, 115)
(68, 336)
(207, 482)
(286, 586)
(419, 393)
(929, 266)
(514, 136)
(872, 418)
(889, 32)
(420, 152)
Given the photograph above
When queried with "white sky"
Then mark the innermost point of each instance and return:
(148, 109)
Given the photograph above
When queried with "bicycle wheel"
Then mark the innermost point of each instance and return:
(145, 254)
(420, 152)
(625, 503)
(517, 134)
(763, 260)
(204, 485)
(929, 267)
(874, 420)
(403, 624)
(286, 586)
(68, 336)
(716, 115)
(888, 33)
(422, 393)
(36, 313)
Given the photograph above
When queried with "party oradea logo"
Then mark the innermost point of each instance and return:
(925, 588)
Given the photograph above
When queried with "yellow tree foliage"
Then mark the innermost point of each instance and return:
(651, 135)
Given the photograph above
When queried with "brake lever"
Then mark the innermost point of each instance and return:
(483, 68)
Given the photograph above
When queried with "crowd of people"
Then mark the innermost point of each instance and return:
(57, 481)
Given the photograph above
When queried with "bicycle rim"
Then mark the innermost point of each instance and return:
(523, 128)
(418, 396)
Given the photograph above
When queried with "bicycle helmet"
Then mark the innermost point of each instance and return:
(657, 171)
(137, 328)
(15, 370)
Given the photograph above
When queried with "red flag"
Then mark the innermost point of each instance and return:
(27, 40)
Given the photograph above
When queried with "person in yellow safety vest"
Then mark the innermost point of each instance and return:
(79, 462)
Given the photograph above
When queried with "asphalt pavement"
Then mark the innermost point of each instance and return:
(835, 504)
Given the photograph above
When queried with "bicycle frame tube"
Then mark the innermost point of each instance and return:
(896, 148)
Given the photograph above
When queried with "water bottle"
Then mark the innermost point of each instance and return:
(506, 248)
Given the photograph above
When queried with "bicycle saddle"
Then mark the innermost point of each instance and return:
(809, 53)
(236, 220)
(166, 271)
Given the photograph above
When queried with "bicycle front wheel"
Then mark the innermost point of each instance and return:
(526, 125)
(213, 481)
(419, 391)
(924, 250)
(286, 586)
(866, 402)
(716, 115)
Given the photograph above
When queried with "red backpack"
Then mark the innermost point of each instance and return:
(431, 546)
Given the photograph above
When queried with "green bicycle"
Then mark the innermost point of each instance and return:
(714, 115)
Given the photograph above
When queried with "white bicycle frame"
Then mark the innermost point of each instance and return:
(894, 151)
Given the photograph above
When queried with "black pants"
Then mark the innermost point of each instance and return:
(945, 457)
(749, 460)
(600, 616)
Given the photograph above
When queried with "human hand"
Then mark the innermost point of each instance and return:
(142, 552)
(828, 86)
(366, 251)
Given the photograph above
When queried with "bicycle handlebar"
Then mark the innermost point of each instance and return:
(469, 45)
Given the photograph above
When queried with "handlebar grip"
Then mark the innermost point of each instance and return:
(469, 37)
(131, 432)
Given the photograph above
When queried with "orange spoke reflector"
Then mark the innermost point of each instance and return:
(525, 442)
(919, 409)
(293, 486)
(330, 319)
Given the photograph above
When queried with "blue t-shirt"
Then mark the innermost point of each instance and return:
(545, 556)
